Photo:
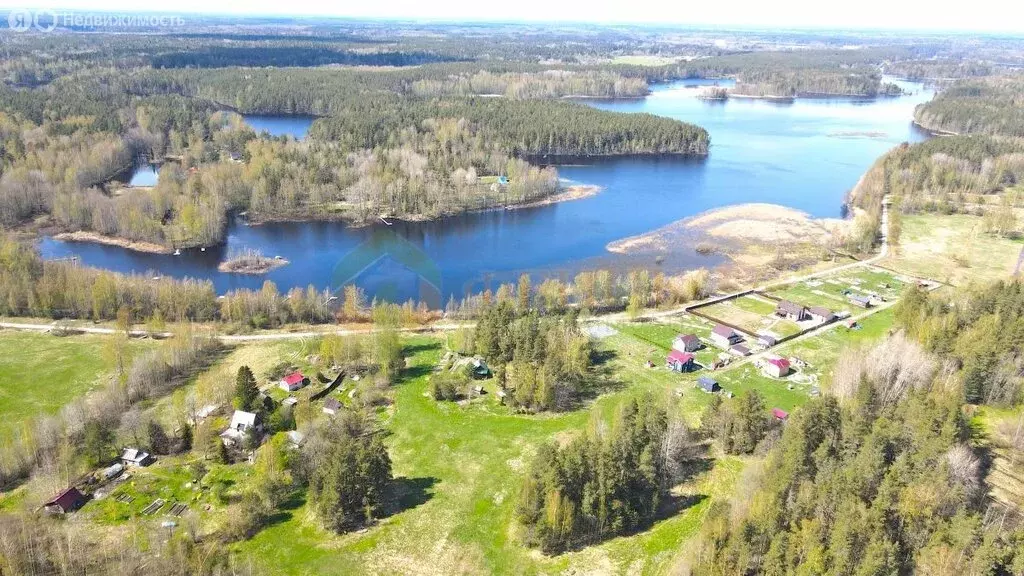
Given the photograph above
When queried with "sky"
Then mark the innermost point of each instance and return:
(1003, 16)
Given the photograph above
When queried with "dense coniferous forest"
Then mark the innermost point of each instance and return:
(885, 476)
(980, 106)
(597, 487)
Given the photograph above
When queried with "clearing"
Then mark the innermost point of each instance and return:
(41, 372)
(953, 249)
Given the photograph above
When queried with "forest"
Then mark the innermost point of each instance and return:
(401, 154)
(978, 106)
(883, 475)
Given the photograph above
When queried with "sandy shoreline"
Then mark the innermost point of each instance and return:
(97, 238)
(570, 193)
(574, 192)
(745, 223)
(262, 267)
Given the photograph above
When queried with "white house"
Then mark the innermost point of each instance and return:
(724, 336)
(686, 343)
(241, 423)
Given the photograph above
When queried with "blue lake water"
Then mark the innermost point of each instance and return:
(294, 126)
(805, 154)
(145, 175)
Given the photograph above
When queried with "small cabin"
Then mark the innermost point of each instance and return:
(292, 382)
(332, 406)
(859, 300)
(739, 350)
(241, 423)
(780, 414)
(708, 384)
(135, 457)
(66, 502)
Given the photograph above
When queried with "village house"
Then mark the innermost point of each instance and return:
(767, 340)
(241, 423)
(739, 350)
(686, 343)
(791, 311)
(135, 457)
(292, 382)
(66, 502)
(860, 300)
(708, 384)
(776, 367)
(295, 439)
(724, 337)
(332, 406)
(679, 361)
(780, 414)
(821, 314)
(480, 369)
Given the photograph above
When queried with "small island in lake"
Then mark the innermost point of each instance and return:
(250, 262)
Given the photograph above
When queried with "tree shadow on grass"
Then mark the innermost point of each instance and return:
(286, 510)
(414, 372)
(411, 349)
(405, 494)
(670, 506)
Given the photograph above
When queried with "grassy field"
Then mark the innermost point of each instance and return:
(741, 312)
(458, 467)
(40, 373)
(829, 291)
(752, 313)
(953, 249)
(458, 470)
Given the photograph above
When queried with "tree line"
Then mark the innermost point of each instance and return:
(603, 485)
(990, 106)
(881, 476)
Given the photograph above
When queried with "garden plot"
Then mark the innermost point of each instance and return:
(832, 292)
(751, 313)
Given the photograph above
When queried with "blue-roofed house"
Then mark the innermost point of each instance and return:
(708, 384)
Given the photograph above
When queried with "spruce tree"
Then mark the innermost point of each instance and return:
(246, 392)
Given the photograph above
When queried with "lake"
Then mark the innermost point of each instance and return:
(805, 154)
(294, 126)
(144, 175)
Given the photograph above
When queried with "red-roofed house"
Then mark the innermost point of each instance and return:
(293, 382)
(776, 367)
(66, 502)
(779, 414)
(679, 361)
